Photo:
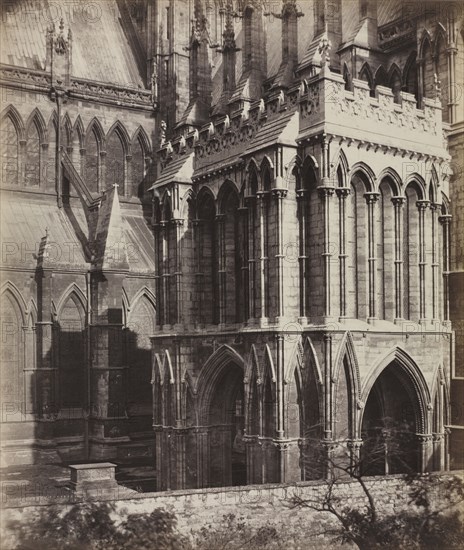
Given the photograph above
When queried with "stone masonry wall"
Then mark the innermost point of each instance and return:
(257, 505)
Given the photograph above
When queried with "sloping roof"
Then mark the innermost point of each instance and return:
(139, 244)
(25, 219)
(100, 48)
(282, 129)
(179, 170)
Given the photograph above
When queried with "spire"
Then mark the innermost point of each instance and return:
(228, 50)
(327, 18)
(201, 82)
(110, 243)
(289, 16)
(59, 50)
(254, 70)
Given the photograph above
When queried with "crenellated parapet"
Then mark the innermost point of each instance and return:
(326, 105)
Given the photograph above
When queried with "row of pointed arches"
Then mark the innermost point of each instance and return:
(425, 73)
(390, 255)
(220, 261)
(391, 423)
(396, 79)
(28, 151)
(23, 339)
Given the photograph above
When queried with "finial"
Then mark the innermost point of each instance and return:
(163, 127)
(324, 47)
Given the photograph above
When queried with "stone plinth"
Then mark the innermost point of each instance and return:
(95, 477)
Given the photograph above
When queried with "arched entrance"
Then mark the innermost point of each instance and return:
(390, 424)
(227, 459)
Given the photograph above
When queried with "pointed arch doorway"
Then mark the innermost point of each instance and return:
(391, 423)
(227, 464)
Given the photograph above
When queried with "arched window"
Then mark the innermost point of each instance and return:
(50, 168)
(366, 75)
(138, 168)
(310, 232)
(385, 239)
(92, 162)
(9, 146)
(72, 356)
(33, 167)
(410, 76)
(268, 245)
(395, 83)
(206, 242)
(356, 249)
(115, 162)
(141, 327)
(381, 78)
(12, 353)
(411, 292)
(229, 260)
(253, 243)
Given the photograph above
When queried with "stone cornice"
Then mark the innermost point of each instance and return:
(19, 77)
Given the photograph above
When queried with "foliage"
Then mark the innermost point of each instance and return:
(95, 526)
(234, 533)
(423, 524)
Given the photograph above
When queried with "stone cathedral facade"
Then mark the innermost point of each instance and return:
(230, 235)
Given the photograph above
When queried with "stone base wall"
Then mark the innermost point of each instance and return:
(257, 505)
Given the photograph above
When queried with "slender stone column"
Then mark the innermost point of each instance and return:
(328, 420)
(425, 445)
(220, 221)
(445, 221)
(422, 206)
(325, 193)
(197, 230)
(342, 193)
(398, 203)
(251, 260)
(435, 262)
(280, 385)
(371, 199)
(102, 186)
(301, 196)
(262, 257)
(164, 272)
(177, 225)
(244, 300)
(280, 194)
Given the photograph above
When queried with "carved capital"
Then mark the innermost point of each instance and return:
(398, 201)
(424, 438)
(445, 219)
(279, 193)
(325, 191)
(371, 197)
(422, 205)
(177, 222)
(342, 192)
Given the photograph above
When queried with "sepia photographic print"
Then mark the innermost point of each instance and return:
(232, 274)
